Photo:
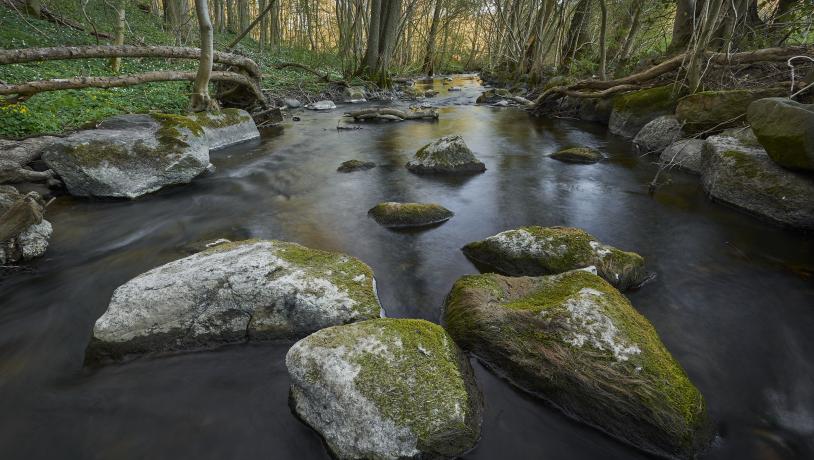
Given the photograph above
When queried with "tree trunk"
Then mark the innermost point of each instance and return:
(684, 23)
(577, 31)
(429, 57)
(372, 53)
(231, 23)
(33, 8)
(603, 46)
(116, 62)
(200, 100)
(251, 26)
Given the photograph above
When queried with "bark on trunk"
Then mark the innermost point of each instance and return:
(429, 57)
(200, 100)
(116, 62)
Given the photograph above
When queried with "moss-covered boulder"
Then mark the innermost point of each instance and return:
(785, 128)
(226, 127)
(448, 155)
(534, 251)
(743, 175)
(130, 155)
(578, 155)
(234, 292)
(23, 213)
(657, 135)
(631, 111)
(386, 389)
(355, 165)
(715, 111)
(685, 154)
(576, 341)
(395, 215)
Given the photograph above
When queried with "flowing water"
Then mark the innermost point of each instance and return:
(733, 299)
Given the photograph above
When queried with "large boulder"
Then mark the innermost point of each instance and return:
(576, 341)
(717, 110)
(24, 234)
(396, 215)
(233, 292)
(631, 111)
(386, 389)
(448, 155)
(744, 176)
(686, 154)
(226, 127)
(534, 251)
(130, 155)
(578, 155)
(657, 135)
(785, 128)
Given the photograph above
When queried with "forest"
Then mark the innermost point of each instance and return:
(407, 229)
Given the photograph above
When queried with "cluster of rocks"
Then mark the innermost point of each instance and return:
(502, 97)
(24, 234)
(125, 156)
(553, 322)
(752, 149)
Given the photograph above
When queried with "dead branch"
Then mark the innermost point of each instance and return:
(18, 56)
(388, 113)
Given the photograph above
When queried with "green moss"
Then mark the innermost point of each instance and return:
(578, 155)
(221, 119)
(409, 214)
(417, 378)
(654, 99)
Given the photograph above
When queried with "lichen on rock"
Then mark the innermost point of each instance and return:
(578, 155)
(447, 155)
(392, 214)
(386, 389)
(714, 111)
(576, 341)
(534, 251)
(233, 292)
(226, 127)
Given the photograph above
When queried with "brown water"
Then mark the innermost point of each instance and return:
(733, 300)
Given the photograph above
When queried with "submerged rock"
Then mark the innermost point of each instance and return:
(130, 155)
(534, 251)
(449, 154)
(578, 155)
(393, 214)
(631, 111)
(292, 103)
(744, 176)
(657, 135)
(454, 88)
(355, 165)
(711, 111)
(32, 241)
(785, 128)
(321, 105)
(575, 341)
(686, 154)
(386, 389)
(233, 292)
(226, 127)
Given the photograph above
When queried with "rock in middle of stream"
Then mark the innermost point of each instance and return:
(534, 251)
(398, 215)
(386, 389)
(233, 292)
(576, 341)
(448, 155)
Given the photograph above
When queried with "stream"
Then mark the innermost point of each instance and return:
(733, 299)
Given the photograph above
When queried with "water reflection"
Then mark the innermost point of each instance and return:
(733, 297)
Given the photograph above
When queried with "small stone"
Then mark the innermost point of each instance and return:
(454, 88)
(449, 155)
(657, 135)
(391, 214)
(578, 155)
(355, 165)
(292, 103)
(501, 103)
(321, 105)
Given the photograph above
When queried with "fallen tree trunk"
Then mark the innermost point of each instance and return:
(19, 56)
(387, 113)
(39, 86)
(24, 213)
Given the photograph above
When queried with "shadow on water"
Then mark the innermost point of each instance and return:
(733, 300)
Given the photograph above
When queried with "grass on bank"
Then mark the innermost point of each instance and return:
(58, 111)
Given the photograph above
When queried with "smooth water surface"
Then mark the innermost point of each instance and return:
(733, 299)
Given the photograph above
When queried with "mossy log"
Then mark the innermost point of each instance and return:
(388, 113)
(19, 56)
(29, 89)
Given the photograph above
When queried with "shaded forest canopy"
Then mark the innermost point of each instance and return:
(301, 46)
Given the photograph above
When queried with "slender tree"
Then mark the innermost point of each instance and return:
(200, 100)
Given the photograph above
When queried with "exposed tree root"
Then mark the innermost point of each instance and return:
(387, 113)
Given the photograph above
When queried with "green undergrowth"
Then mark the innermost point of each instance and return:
(59, 111)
